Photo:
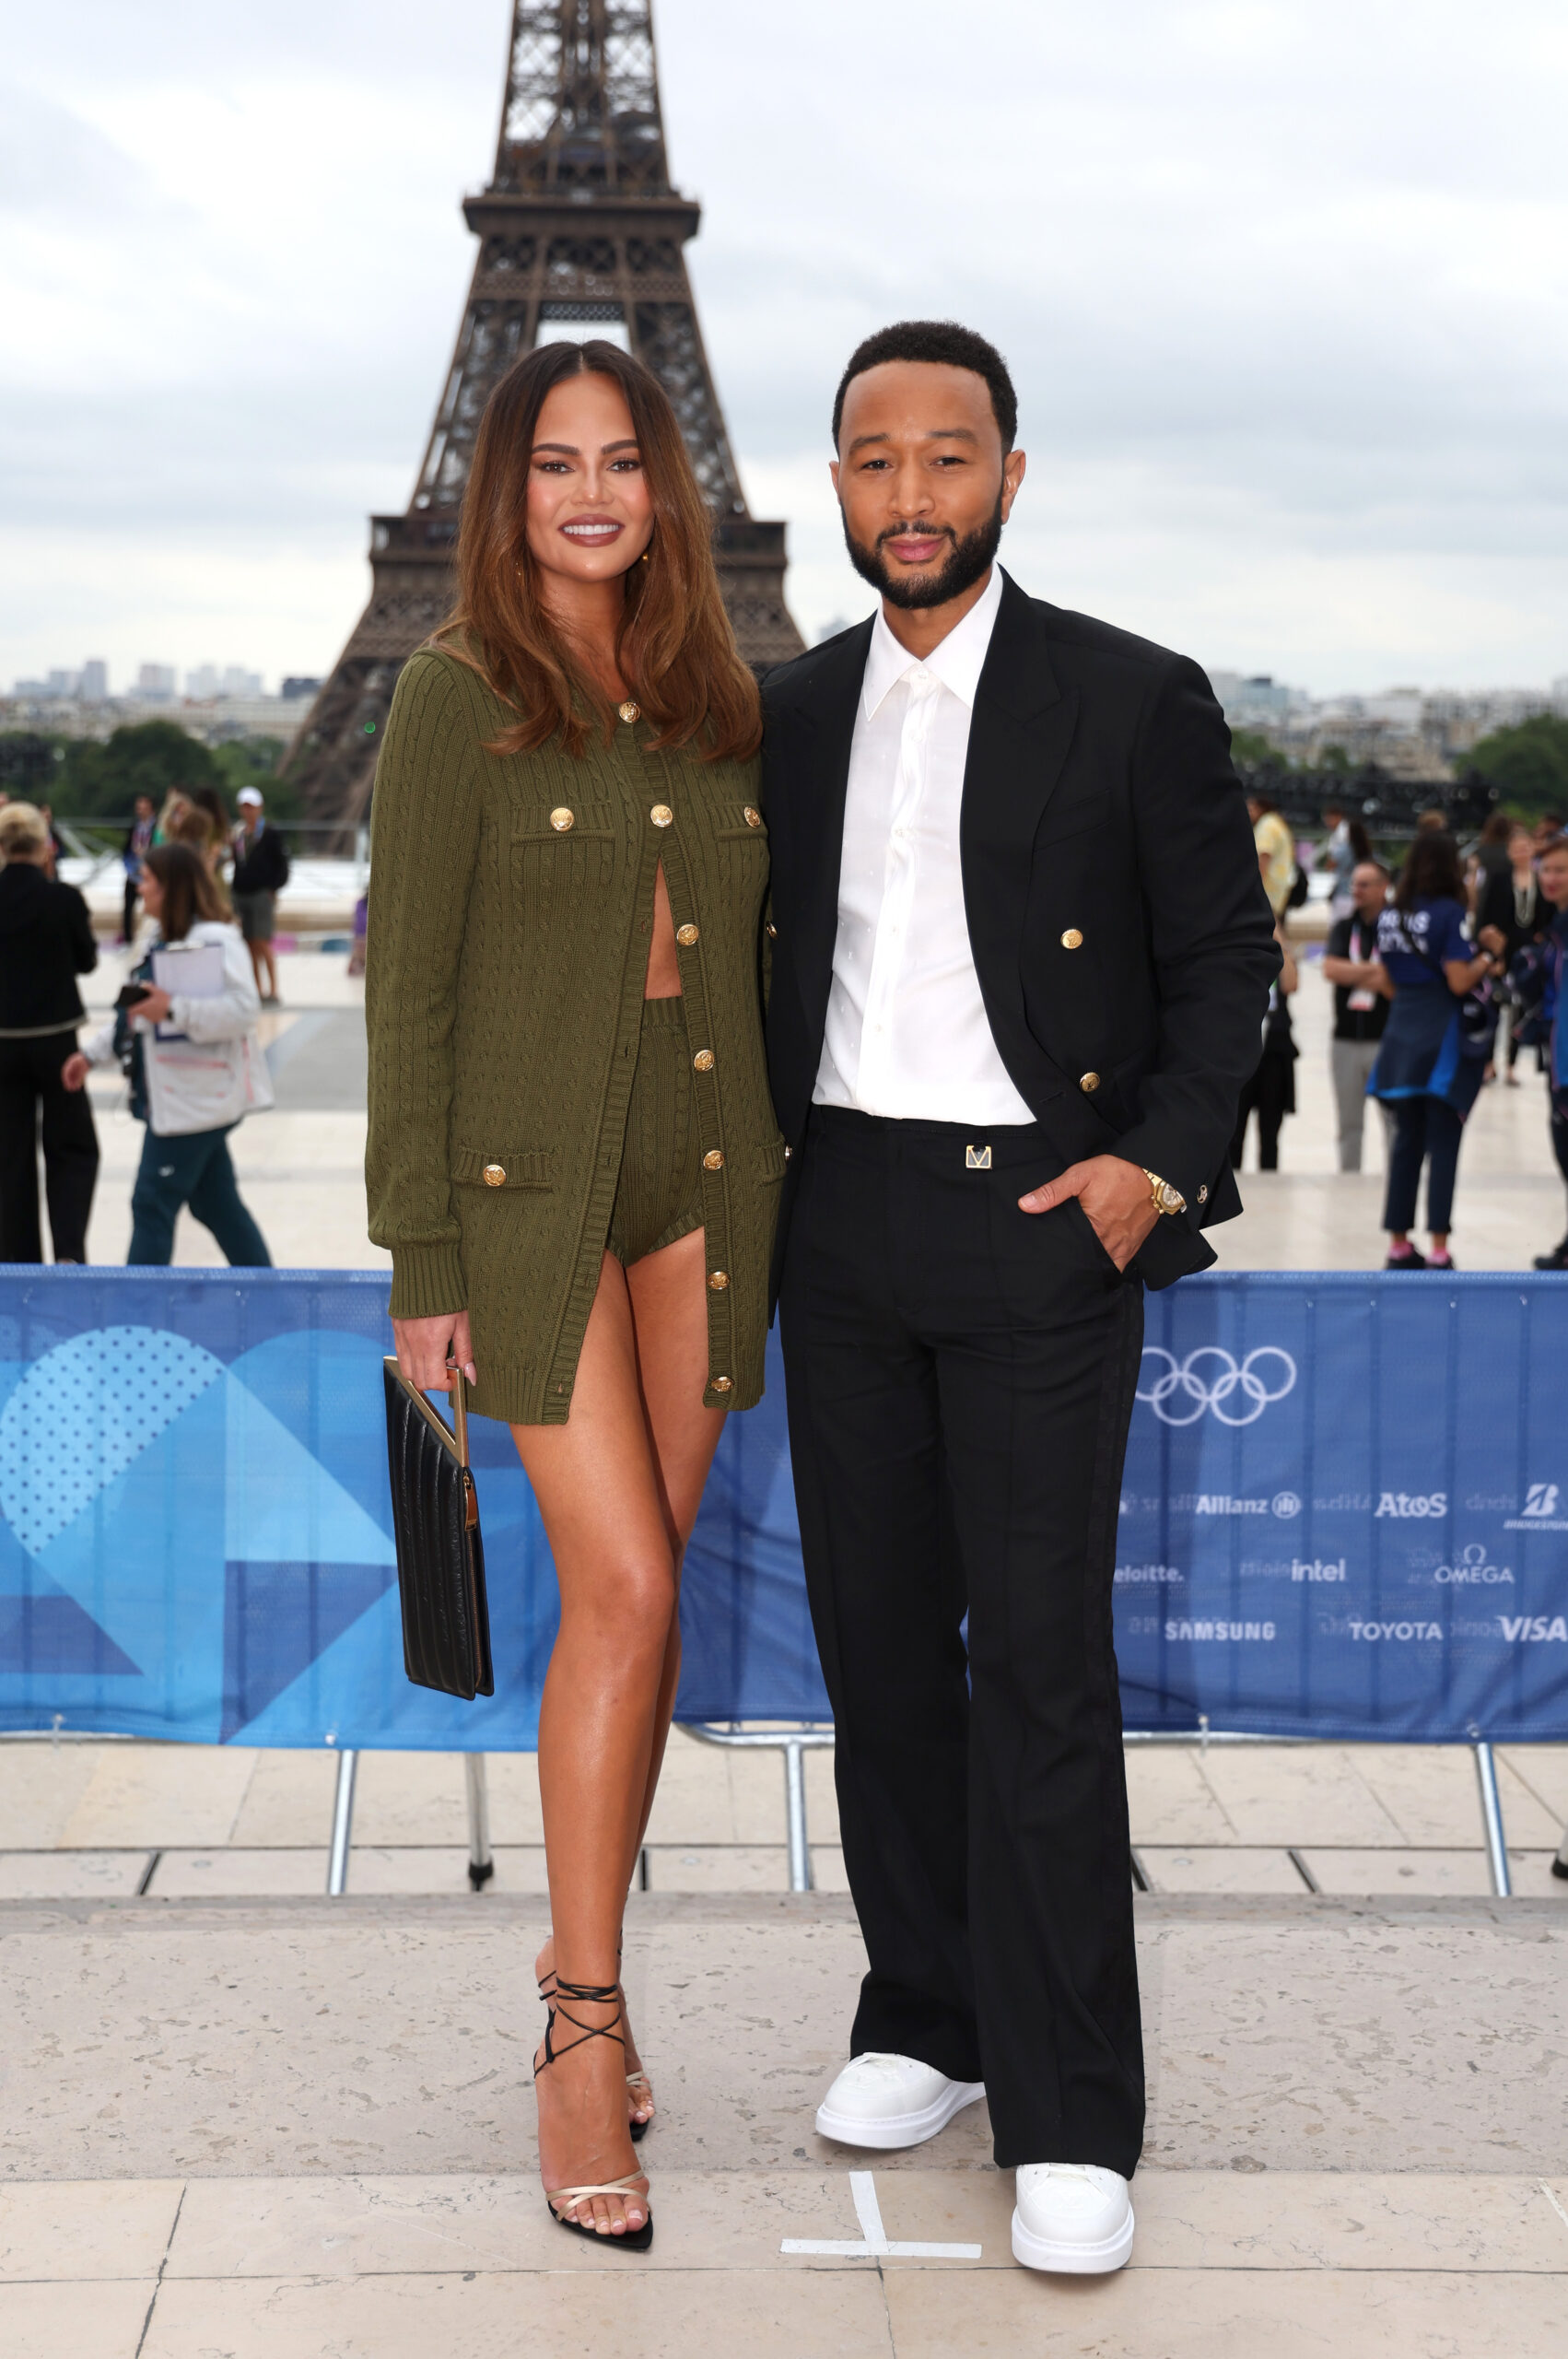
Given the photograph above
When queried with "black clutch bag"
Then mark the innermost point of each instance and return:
(441, 1555)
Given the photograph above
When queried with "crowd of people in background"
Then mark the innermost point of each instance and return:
(182, 1031)
(1442, 974)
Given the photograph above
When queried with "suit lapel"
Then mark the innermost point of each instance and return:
(820, 723)
(1019, 739)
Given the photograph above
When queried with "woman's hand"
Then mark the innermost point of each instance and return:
(425, 1345)
(154, 1004)
(1491, 938)
(73, 1072)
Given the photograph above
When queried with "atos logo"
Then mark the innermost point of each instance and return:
(1405, 1504)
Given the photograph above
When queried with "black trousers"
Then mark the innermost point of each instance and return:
(960, 1380)
(1271, 1094)
(1425, 1130)
(30, 1078)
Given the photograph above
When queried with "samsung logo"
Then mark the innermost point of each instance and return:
(1220, 1630)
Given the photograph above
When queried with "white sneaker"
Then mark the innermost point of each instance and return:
(1074, 2217)
(892, 2101)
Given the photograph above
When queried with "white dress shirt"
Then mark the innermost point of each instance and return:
(907, 1034)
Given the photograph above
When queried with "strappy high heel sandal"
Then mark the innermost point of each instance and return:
(638, 2082)
(599, 1995)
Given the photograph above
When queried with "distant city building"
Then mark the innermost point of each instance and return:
(206, 681)
(64, 683)
(95, 681)
(154, 682)
(293, 689)
(1416, 735)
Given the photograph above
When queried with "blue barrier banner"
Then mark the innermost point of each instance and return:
(1344, 1513)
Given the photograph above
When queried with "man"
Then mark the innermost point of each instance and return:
(1339, 853)
(138, 843)
(1020, 957)
(260, 871)
(1361, 992)
(1537, 973)
(46, 941)
(1276, 850)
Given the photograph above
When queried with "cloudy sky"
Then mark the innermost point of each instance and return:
(1282, 282)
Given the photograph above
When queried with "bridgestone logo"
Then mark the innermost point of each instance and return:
(1222, 1630)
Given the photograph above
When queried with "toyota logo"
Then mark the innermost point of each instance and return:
(1210, 1378)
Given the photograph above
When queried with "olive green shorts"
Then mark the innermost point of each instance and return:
(659, 1195)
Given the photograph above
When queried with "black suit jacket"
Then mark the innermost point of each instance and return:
(1099, 798)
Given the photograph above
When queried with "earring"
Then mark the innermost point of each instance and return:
(644, 557)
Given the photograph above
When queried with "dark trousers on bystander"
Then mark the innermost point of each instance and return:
(30, 1084)
(194, 1170)
(1425, 1130)
(960, 1379)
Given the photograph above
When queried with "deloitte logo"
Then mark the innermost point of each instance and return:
(1539, 1511)
(1209, 1379)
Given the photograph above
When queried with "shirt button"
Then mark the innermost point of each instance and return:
(1088, 1082)
(719, 1280)
(662, 815)
(629, 711)
(703, 1061)
(495, 1175)
(714, 1159)
(722, 1384)
(753, 818)
(561, 819)
(1073, 939)
(685, 935)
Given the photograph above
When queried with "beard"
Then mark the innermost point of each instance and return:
(967, 562)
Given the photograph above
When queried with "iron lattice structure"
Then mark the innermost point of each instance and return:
(579, 227)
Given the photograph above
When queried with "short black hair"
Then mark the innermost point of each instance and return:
(949, 346)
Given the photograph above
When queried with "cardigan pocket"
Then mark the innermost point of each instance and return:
(563, 822)
(498, 1167)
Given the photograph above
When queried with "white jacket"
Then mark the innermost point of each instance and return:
(215, 1074)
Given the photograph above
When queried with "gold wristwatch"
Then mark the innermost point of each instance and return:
(1166, 1198)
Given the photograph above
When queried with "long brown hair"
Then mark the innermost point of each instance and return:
(1431, 873)
(674, 647)
(189, 892)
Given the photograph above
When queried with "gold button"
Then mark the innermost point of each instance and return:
(495, 1175)
(788, 1153)
(714, 1159)
(561, 819)
(722, 1384)
(662, 815)
(1203, 1195)
(754, 818)
(703, 1061)
(629, 711)
(772, 930)
(685, 935)
(1073, 939)
(719, 1280)
(1089, 1080)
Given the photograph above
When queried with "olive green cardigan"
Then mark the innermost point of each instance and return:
(511, 903)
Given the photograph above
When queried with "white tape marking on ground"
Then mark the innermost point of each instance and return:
(874, 2242)
(1552, 2200)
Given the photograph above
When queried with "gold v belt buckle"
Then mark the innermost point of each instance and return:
(977, 1158)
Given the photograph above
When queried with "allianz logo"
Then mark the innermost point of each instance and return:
(1283, 1504)
(1539, 1510)
(1472, 1569)
(1230, 1632)
(1406, 1504)
(1146, 1575)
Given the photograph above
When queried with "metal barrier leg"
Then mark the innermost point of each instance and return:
(480, 1866)
(1560, 1865)
(800, 1877)
(342, 1823)
(1491, 1818)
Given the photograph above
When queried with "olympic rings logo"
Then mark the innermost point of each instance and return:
(1210, 1378)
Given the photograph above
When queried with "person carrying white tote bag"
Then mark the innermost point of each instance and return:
(184, 1031)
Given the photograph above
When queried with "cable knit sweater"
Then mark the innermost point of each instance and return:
(511, 902)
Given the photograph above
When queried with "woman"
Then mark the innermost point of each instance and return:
(1272, 1091)
(1424, 1070)
(1513, 909)
(573, 1158)
(46, 941)
(193, 1065)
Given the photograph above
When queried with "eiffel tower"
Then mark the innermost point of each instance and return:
(580, 227)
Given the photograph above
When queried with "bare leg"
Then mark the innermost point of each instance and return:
(618, 1489)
